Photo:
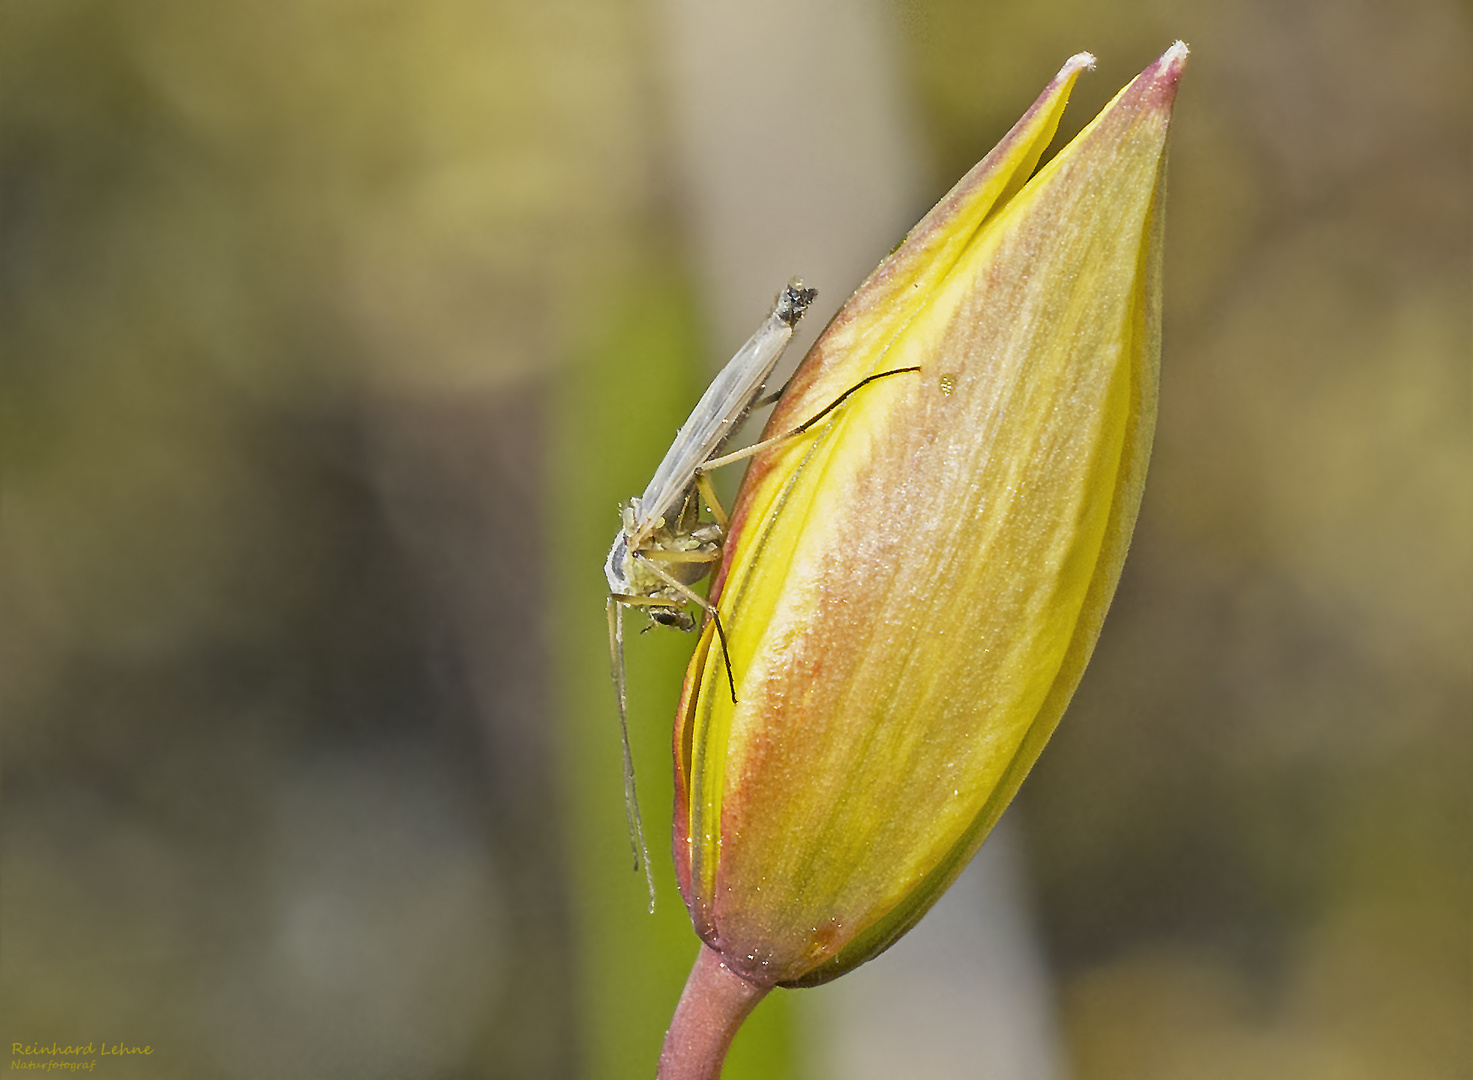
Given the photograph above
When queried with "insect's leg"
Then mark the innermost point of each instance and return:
(768, 399)
(690, 514)
(725, 653)
(710, 609)
(758, 447)
(708, 492)
(680, 557)
(614, 609)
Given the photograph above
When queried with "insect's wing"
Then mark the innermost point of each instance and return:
(724, 403)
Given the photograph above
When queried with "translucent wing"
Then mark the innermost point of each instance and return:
(723, 405)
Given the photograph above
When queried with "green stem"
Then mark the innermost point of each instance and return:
(712, 1007)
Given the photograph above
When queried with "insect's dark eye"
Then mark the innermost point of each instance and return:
(675, 617)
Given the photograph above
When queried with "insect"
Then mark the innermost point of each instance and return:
(663, 547)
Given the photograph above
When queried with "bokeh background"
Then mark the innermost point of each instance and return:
(332, 333)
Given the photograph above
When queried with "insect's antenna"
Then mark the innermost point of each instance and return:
(615, 612)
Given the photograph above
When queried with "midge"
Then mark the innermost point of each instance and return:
(663, 547)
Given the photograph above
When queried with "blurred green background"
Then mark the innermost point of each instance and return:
(332, 333)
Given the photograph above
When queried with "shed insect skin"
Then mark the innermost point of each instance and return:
(663, 547)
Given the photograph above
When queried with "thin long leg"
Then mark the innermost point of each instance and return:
(626, 600)
(686, 591)
(758, 447)
(614, 609)
(659, 555)
(767, 399)
(713, 504)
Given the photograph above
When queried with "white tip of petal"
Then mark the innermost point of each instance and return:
(1078, 62)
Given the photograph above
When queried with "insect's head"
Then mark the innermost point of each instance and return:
(793, 301)
(677, 617)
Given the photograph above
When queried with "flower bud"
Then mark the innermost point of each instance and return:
(911, 587)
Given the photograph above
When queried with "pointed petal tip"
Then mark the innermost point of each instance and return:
(1078, 62)
(1173, 60)
(1157, 84)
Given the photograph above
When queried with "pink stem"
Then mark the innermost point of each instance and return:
(712, 1007)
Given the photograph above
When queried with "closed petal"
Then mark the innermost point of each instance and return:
(911, 589)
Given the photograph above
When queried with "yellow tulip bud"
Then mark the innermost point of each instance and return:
(912, 587)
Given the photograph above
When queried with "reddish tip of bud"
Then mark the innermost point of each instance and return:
(1158, 82)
